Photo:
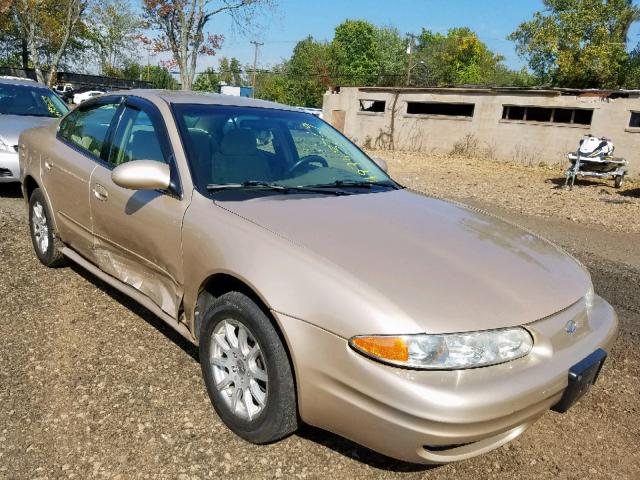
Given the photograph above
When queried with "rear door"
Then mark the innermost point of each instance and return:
(67, 168)
(137, 234)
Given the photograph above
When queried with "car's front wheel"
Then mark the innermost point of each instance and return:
(247, 371)
(45, 242)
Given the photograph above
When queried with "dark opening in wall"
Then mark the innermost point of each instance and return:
(562, 115)
(440, 108)
(575, 116)
(376, 106)
(539, 114)
(634, 120)
(513, 112)
(582, 116)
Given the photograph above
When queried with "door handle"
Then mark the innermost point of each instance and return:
(48, 164)
(100, 193)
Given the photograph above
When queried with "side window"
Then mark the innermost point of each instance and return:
(87, 128)
(136, 139)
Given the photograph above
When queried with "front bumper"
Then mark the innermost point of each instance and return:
(439, 416)
(9, 167)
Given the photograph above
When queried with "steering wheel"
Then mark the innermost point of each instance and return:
(307, 160)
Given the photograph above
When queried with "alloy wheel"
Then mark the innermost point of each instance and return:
(40, 227)
(239, 369)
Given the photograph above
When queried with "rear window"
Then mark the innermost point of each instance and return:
(87, 127)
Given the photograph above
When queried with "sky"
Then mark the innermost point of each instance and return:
(292, 20)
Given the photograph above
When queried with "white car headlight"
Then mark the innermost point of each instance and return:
(451, 351)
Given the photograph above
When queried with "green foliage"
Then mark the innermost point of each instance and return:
(392, 56)
(579, 43)
(355, 52)
(231, 72)
(113, 33)
(459, 57)
(207, 81)
(301, 80)
(159, 77)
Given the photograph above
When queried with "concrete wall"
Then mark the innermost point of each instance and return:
(496, 138)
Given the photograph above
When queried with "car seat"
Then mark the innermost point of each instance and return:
(239, 159)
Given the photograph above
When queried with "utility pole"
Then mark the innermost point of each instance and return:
(412, 38)
(255, 65)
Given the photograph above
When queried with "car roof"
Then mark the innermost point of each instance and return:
(202, 98)
(6, 80)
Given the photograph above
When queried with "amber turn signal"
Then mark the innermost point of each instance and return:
(388, 348)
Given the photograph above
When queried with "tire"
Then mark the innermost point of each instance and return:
(247, 378)
(45, 242)
(618, 181)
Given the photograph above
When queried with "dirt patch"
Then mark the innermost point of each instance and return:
(528, 190)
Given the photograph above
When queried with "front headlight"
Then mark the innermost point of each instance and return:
(451, 351)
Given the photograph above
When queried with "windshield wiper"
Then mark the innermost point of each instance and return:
(256, 184)
(355, 184)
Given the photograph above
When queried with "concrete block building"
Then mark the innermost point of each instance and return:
(523, 125)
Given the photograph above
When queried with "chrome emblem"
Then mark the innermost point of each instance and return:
(571, 326)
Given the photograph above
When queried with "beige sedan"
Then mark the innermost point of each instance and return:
(317, 288)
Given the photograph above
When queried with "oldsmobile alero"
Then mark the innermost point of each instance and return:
(318, 289)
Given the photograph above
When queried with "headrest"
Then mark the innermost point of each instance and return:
(239, 142)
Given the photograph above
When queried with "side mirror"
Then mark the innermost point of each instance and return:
(142, 175)
(382, 163)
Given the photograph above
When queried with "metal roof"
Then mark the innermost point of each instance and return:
(484, 89)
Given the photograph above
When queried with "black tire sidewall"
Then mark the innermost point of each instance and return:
(50, 256)
(279, 417)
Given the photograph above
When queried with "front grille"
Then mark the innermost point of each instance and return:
(5, 172)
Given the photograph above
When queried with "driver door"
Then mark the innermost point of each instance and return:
(137, 233)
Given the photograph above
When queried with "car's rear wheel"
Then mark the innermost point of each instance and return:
(43, 236)
(247, 371)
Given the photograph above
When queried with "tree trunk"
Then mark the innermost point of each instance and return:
(24, 49)
(30, 28)
(74, 10)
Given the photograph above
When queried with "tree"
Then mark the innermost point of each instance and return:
(355, 53)
(181, 26)
(207, 81)
(276, 86)
(45, 27)
(392, 57)
(459, 57)
(309, 72)
(578, 43)
(114, 30)
(230, 71)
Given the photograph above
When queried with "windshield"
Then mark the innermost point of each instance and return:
(256, 147)
(31, 101)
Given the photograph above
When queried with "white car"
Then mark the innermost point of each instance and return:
(24, 104)
(78, 98)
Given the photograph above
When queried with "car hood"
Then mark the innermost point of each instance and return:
(11, 126)
(448, 267)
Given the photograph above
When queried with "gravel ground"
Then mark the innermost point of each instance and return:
(94, 386)
(523, 189)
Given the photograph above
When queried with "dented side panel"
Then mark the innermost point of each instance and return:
(137, 238)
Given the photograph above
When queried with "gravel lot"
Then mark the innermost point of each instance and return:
(523, 189)
(94, 386)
